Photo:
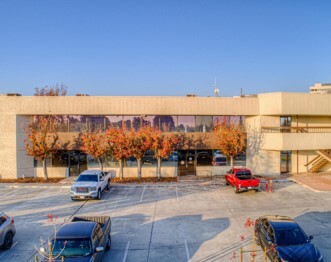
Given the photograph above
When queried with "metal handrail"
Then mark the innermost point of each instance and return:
(301, 129)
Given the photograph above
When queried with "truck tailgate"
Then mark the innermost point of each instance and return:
(102, 220)
(250, 182)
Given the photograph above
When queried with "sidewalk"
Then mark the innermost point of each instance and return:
(67, 183)
(317, 181)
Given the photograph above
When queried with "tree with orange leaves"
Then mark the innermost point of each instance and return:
(230, 139)
(162, 145)
(94, 144)
(139, 142)
(42, 139)
(117, 140)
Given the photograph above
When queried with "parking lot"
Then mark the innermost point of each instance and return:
(168, 222)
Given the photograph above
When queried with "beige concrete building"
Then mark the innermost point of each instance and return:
(286, 132)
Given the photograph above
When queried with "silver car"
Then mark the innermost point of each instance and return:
(7, 231)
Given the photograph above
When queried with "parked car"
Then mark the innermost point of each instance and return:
(149, 157)
(90, 184)
(219, 160)
(83, 239)
(204, 158)
(285, 240)
(240, 157)
(242, 179)
(7, 231)
(173, 156)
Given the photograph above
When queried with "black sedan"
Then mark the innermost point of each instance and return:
(284, 240)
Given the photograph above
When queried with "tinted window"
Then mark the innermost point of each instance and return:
(114, 121)
(220, 159)
(132, 122)
(204, 123)
(186, 124)
(165, 123)
(204, 158)
(2, 220)
(95, 123)
(243, 174)
(293, 236)
(77, 123)
(88, 178)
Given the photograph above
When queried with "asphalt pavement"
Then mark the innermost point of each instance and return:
(167, 222)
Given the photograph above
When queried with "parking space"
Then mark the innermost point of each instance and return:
(173, 222)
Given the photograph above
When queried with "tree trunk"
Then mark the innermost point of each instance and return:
(121, 168)
(159, 163)
(100, 163)
(231, 159)
(139, 168)
(45, 169)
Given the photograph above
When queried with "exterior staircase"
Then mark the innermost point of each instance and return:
(323, 157)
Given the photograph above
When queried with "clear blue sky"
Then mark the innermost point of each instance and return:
(164, 47)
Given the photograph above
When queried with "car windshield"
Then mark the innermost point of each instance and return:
(291, 236)
(72, 247)
(87, 178)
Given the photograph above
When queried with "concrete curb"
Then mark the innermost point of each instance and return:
(134, 185)
(304, 185)
(5, 185)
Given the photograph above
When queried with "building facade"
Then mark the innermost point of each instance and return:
(286, 132)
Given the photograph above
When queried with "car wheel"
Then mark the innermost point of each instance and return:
(256, 190)
(108, 243)
(108, 185)
(99, 194)
(8, 241)
(236, 190)
(73, 199)
(227, 183)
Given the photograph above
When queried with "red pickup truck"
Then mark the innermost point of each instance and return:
(242, 179)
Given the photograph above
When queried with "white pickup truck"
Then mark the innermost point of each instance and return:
(90, 184)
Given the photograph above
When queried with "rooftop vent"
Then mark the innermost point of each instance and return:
(11, 94)
(82, 95)
(191, 95)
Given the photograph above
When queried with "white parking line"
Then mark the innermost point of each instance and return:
(177, 193)
(142, 194)
(187, 253)
(126, 251)
(108, 193)
(205, 188)
(9, 193)
(14, 244)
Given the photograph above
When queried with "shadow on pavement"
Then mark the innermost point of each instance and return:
(175, 238)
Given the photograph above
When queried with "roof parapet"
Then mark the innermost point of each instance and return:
(11, 94)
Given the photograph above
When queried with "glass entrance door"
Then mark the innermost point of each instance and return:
(285, 161)
(186, 162)
(77, 162)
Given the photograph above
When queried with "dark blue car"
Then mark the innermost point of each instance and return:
(84, 239)
(284, 240)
